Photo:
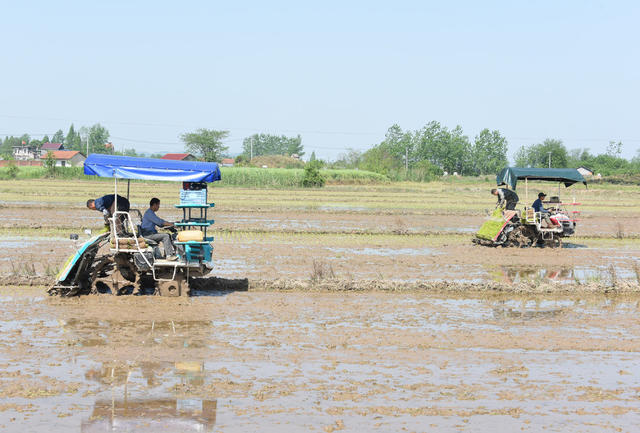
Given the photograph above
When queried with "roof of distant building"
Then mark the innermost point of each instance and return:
(227, 161)
(51, 146)
(65, 154)
(177, 156)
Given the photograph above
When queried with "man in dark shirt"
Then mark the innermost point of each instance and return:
(539, 207)
(506, 196)
(106, 205)
(149, 223)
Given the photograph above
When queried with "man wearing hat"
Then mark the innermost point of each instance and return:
(538, 207)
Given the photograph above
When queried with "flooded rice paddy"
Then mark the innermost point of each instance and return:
(246, 361)
(364, 310)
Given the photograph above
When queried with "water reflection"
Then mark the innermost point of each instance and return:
(510, 313)
(562, 274)
(124, 413)
(509, 274)
(151, 415)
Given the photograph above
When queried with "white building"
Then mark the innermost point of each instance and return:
(67, 158)
(25, 153)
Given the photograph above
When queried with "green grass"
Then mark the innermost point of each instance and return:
(459, 197)
(231, 176)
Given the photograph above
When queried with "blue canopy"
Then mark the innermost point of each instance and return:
(128, 167)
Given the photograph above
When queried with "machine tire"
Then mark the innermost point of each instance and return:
(519, 238)
(179, 286)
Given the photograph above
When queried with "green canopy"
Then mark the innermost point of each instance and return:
(511, 175)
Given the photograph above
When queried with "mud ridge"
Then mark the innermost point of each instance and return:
(348, 285)
(340, 285)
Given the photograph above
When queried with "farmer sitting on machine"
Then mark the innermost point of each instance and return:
(544, 213)
(148, 229)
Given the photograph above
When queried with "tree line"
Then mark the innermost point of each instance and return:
(421, 154)
(553, 153)
(430, 152)
(96, 135)
(208, 144)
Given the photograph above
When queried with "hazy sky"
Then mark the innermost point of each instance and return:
(338, 73)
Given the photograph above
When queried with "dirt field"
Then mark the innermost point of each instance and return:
(368, 310)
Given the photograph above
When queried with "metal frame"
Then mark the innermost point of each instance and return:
(117, 249)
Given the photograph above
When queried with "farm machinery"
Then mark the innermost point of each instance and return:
(524, 228)
(120, 260)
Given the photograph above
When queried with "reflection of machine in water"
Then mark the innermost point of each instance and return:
(149, 414)
(517, 274)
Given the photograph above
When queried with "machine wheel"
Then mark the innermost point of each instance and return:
(179, 286)
(556, 242)
(518, 238)
(114, 283)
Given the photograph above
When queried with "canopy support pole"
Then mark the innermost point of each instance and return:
(114, 231)
(128, 185)
(526, 189)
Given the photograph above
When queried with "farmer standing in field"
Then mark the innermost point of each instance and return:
(506, 196)
(106, 205)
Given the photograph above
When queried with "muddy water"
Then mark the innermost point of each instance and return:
(249, 361)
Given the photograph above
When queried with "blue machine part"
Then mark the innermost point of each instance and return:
(196, 251)
(73, 260)
(129, 167)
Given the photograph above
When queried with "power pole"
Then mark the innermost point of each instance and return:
(549, 159)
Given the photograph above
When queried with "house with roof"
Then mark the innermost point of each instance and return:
(25, 152)
(67, 158)
(180, 157)
(50, 147)
(227, 162)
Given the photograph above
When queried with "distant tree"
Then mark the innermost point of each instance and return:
(488, 153)
(58, 137)
(379, 160)
(46, 139)
(578, 157)
(7, 146)
(241, 161)
(312, 176)
(127, 152)
(313, 156)
(98, 137)
(268, 144)
(50, 163)
(447, 149)
(614, 149)
(73, 141)
(537, 155)
(12, 170)
(351, 159)
(206, 143)
(401, 146)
